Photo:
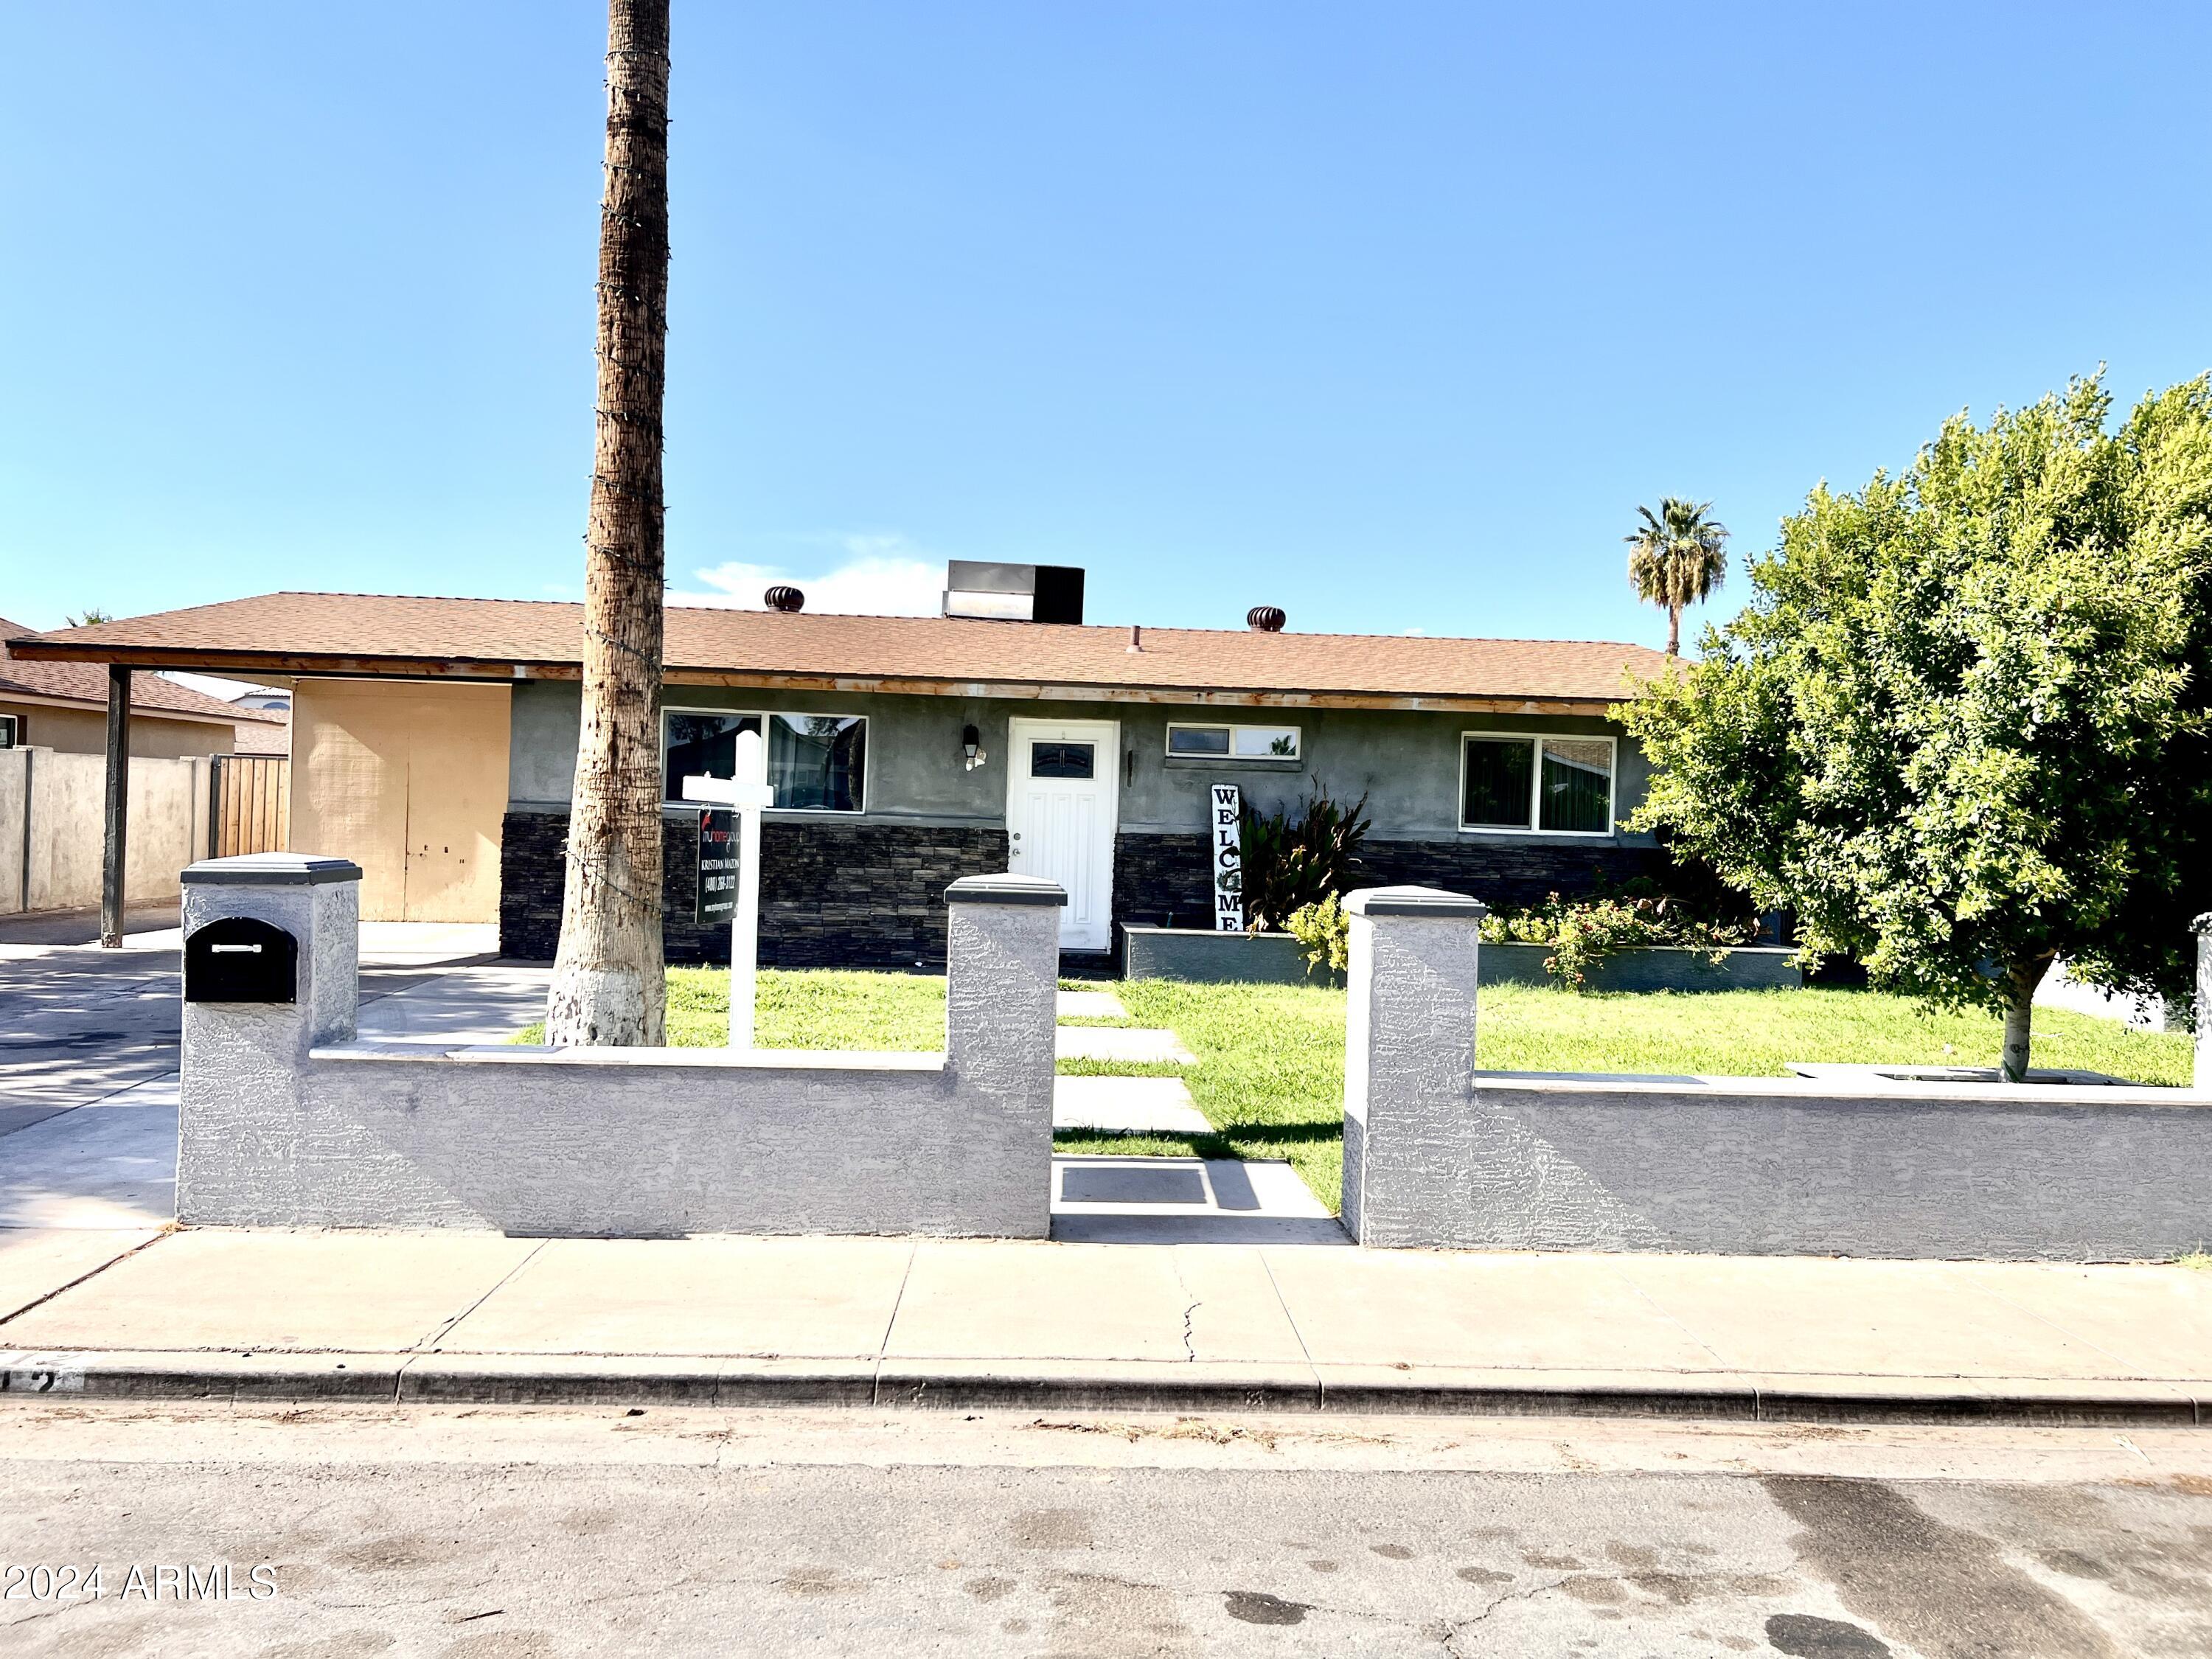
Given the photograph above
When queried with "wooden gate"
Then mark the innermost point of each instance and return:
(251, 806)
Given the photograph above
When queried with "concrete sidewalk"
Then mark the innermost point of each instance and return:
(476, 1316)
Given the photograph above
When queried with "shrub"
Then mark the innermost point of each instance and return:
(1584, 935)
(1325, 931)
(1290, 862)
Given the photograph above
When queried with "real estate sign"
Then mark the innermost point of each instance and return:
(1228, 859)
(716, 899)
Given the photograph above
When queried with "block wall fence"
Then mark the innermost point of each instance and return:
(1440, 1154)
(288, 1121)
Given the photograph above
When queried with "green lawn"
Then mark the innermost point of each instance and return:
(1270, 1071)
(806, 1008)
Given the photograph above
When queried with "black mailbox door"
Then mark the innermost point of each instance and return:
(239, 959)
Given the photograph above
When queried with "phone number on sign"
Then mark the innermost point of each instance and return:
(142, 1581)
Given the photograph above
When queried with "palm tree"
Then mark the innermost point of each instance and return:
(608, 987)
(1676, 557)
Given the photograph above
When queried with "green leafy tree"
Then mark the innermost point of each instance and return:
(1962, 729)
(1676, 557)
(89, 618)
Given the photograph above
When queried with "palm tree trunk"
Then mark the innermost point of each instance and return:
(607, 976)
(1674, 630)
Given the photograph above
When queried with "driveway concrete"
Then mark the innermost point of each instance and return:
(88, 1052)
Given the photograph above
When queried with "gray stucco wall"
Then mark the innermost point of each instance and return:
(1439, 1155)
(1778, 1166)
(286, 1123)
(1408, 764)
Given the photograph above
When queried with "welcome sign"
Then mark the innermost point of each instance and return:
(1228, 859)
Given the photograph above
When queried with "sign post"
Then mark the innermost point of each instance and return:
(730, 887)
(1228, 859)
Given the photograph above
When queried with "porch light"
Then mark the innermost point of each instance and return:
(971, 746)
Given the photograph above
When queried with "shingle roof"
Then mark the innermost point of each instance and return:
(86, 682)
(368, 633)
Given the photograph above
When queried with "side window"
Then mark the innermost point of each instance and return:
(1260, 742)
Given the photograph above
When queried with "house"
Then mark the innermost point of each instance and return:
(435, 743)
(63, 706)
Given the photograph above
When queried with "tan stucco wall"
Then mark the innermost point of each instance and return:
(83, 731)
(408, 780)
(64, 797)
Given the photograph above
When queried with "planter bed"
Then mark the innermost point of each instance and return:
(1197, 956)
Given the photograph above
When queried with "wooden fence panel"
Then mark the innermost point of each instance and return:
(252, 812)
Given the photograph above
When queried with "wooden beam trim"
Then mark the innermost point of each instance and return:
(482, 670)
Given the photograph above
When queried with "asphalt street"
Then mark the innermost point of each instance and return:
(488, 1533)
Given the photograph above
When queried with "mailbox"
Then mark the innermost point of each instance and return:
(240, 959)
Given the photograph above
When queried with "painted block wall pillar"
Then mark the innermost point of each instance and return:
(243, 1060)
(1002, 976)
(2202, 927)
(1409, 1107)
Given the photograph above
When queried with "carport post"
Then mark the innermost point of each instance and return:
(116, 831)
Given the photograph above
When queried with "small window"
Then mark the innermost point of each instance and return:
(1257, 742)
(1062, 760)
(1552, 786)
(10, 731)
(1197, 740)
(815, 763)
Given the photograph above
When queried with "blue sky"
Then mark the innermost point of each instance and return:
(1388, 314)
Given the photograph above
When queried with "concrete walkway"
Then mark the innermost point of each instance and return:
(242, 1314)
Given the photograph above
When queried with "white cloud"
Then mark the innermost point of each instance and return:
(879, 576)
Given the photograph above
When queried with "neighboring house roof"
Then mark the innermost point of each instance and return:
(358, 634)
(85, 683)
(263, 737)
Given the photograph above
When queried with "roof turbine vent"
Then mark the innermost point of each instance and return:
(784, 598)
(1265, 619)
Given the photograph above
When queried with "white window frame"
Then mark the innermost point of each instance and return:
(1233, 727)
(1536, 785)
(764, 715)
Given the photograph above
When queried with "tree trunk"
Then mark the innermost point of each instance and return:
(2020, 980)
(1674, 630)
(608, 989)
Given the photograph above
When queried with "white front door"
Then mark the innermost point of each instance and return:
(1062, 805)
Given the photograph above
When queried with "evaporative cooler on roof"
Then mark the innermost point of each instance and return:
(1013, 592)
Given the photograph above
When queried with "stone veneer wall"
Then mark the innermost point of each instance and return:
(1157, 877)
(833, 895)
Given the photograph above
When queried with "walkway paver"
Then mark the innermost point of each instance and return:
(1088, 1004)
(1127, 1106)
(1127, 1044)
(1187, 1201)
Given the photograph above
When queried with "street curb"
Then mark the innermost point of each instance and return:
(648, 1380)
